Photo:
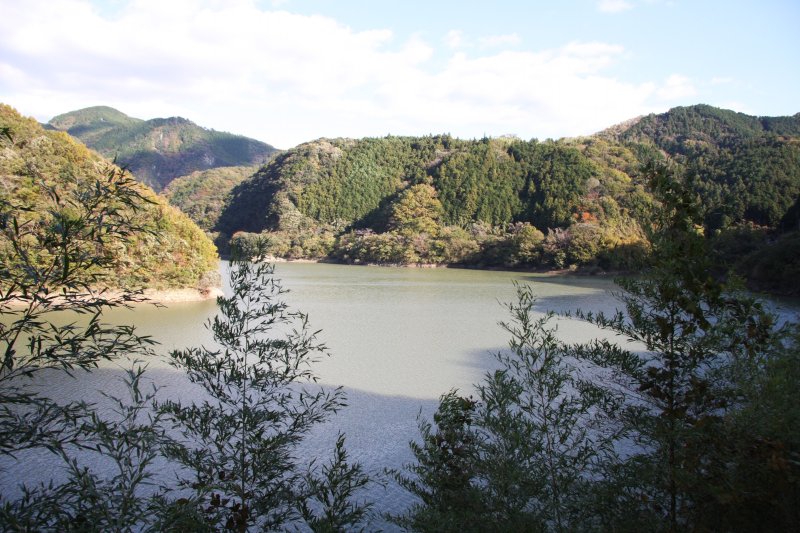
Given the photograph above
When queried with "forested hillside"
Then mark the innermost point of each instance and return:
(748, 167)
(436, 199)
(159, 150)
(46, 182)
(513, 203)
(202, 193)
(746, 170)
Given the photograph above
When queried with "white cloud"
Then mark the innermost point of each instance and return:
(493, 41)
(613, 6)
(454, 39)
(286, 78)
(676, 87)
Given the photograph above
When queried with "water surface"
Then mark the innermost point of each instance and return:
(398, 339)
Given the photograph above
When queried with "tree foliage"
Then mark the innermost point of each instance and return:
(703, 342)
(54, 256)
(46, 180)
(60, 244)
(239, 443)
(658, 436)
(201, 194)
(523, 456)
(417, 210)
(588, 195)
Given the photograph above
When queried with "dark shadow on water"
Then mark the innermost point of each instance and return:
(589, 282)
(595, 301)
(378, 429)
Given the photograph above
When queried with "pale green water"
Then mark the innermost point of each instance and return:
(398, 338)
(394, 331)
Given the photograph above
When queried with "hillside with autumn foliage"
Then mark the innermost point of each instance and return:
(46, 178)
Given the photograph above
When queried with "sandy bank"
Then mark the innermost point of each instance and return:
(181, 295)
(158, 296)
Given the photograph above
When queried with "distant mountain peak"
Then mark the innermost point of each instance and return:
(90, 115)
(159, 150)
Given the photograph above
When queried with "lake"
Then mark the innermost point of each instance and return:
(398, 339)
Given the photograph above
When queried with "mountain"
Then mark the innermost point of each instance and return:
(748, 167)
(680, 129)
(438, 199)
(40, 170)
(505, 202)
(159, 150)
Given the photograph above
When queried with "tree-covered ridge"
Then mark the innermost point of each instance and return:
(159, 150)
(91, 123)
(486, 202)
(40, 169)
(492, 181)
(749, 167)
(202, 193)
(514, 203)
(680, 128)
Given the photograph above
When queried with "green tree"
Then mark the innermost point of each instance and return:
(53, 255)
(523, 457)
(239, 443)
(51, 258)
(119, 495)
(696, 334)
(546, 426)
(57, 244)
(417, 210)
(331, 502)
(754, 482)
(444, 476)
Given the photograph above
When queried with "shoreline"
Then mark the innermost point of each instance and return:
(580, 271)
(164, 296)
(147, 296)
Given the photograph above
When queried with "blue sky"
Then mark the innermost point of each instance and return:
(288, 71)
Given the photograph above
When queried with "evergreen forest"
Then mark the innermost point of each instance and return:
(579, 203)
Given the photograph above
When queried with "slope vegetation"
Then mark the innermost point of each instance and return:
(748, 167)
(202, 193)
(506, 202)
(38, 167)
(159, 150)
(438, 199)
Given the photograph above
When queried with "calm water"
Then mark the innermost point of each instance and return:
(398, 338)
(405, 332)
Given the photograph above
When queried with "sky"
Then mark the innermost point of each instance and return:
(290, 71)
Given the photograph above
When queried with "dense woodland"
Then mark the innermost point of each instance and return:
(159, 150)
(46, 176)
(202, 194)
(492, 203)
(572, 203)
